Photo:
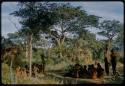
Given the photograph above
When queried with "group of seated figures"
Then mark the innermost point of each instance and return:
(85, 71)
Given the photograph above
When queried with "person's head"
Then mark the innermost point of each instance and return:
(98, 65)
(92, 65)
(85, 66)
(89, 66)
(96, 62)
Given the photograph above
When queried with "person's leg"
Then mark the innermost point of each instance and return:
(43, 68)
(107, 69)
(114, 67)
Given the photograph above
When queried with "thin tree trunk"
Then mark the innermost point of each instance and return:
(108, 51)
(30, 55)
(11, 71)
(26, 53)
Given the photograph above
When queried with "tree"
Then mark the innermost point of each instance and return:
(70, 20)
(118, 42)
(109, 29)
(35, 17)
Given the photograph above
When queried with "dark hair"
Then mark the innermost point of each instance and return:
(85, 66)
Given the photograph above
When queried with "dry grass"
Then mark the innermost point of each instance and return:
(24, 80)
(60, 66)
(5, 74)
(36, 81)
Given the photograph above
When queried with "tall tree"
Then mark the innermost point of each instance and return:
(35, 17)
(70, 20)
(109, 29)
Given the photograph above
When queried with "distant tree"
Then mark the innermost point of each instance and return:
(109, 29)
(119, 40)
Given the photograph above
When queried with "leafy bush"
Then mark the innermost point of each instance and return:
(121, 59)
(5, 74)
(68, 70)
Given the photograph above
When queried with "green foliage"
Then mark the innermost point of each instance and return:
(6, 42)
(18, 61)
(35, 16)
(69, 68)
(121, 59)
(119, 41)
(44, 18)
(5, 74)
(109, 28)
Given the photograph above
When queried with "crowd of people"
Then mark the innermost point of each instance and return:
(24, 71)
(85, 71)
(94, 71)
(36, 68)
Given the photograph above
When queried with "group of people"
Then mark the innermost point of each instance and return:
(36, 68)
(91, 71)
(95, 70)
(24, 71)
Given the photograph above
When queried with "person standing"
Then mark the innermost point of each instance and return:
(113, 61)
(43, 62)
(106, 61)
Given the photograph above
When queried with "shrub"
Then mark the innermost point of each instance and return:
(121, 59)
(5, 74)
(69, 70)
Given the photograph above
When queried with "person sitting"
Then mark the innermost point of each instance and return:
(85, 72)
(76, 73)
(27, 70)
(93, 75)
(100, 71)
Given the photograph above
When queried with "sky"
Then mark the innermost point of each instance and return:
(106, 10)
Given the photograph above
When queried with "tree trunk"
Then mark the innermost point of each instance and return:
(30, 55)
(11, 72)
(60, 47)
(26, 53)
(108, 51)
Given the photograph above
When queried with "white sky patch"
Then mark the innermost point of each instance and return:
(95, 31)
(7, 24)
(106, 10)
(7, 19)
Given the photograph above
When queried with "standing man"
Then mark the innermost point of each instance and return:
(113, 61)
(43, 62)
(106, 61)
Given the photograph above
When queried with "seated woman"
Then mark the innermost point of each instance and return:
(100, 71)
